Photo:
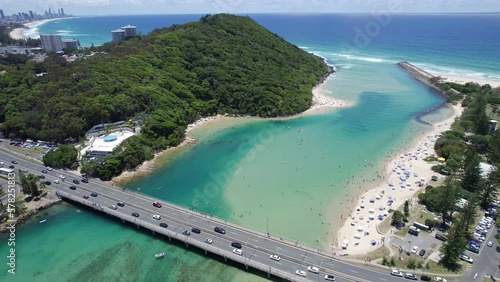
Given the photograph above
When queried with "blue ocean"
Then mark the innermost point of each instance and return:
(304, 171)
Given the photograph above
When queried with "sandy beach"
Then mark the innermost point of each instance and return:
(462, 79)
(404, 175)
(19, 33)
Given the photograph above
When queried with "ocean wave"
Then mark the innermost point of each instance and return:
(446, 70)
(303, 47)
(363, 58)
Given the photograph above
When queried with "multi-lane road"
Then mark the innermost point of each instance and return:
(257, 246)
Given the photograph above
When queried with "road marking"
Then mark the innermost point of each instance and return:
(383, 279)
(232, 233)
(255, 240)
(330, 264)
(353, 271)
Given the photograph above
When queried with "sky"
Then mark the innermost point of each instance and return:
(132, 7)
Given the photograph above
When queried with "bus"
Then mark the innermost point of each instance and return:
(4, 172)
(421, 226)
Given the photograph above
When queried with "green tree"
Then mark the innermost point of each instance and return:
(65, 156)
(490, 187)
(397, 217)
(468, 214)
(446, 198)
(453, 247)
(406, 209)
(471, 179)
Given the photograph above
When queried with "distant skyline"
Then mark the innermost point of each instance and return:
(133, 7)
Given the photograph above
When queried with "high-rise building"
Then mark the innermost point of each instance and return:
(130, 30)
(2, 16)
(62, 11)
(32, 16)
(71, 44)
(51, 42)
(118, 34)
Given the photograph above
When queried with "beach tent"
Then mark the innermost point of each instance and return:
(361, 217)
(373, 242)
(356, 243)
(345, 243)
(371, 217)
(360, 228)
(356, 236)
(371, 210)
(380, 217)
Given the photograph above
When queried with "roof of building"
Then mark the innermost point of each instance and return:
(109, 142)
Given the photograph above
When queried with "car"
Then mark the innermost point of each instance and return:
(25, 170)
(413, 232)
(47, 183)
(186, 232)
(490, 244)
(156, 204)
(49, 168)
(220, 230)
(301, 273)
(156, 216)
(313, 269)
(414, 249)
(238, 252)
(85, 180)
(41, 176)
(44, 171)
(120, 204)
(76, 181)
(425, 278)
(72, 187)
(113, 207)
(466, 258)
(421, 253)
(134, 214)
(440, 279)
(236, 245)
(163, 224)
(86, 196)
(11, 166)
(14, 162)
(62, 176)
(196, 230)
(397, 273)
(411, 276)
(440, 237)
(275, 257)
(94, 194)
(329, 277)
(209, 241)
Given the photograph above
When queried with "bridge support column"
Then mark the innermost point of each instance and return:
(169, 238)
(225, 258)
(187, 245)
(153, 233)
(246, 266)
(206, 252)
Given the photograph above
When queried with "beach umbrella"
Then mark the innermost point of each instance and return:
(371, 217)
(381, 208)
(356, 236)
(373, 242)
(371, 210)
(361, 217)
(360, 228)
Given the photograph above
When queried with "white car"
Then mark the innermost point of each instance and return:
(466, 258)
(275, 257)
(56, 181)
(490, 244)
(301, 273)
(238, 252)
(157, 217)
(49, 168)
(397, 273)
(62, 176)
(313, 269)
(414, 249)
(209, 241)
(329, 277)
(440, 279)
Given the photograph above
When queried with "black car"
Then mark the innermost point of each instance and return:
(186, 232)
(94, 194)
(41, 176)
(421, 253)
(11, 166)
(425, 278)
(236, 245)
(76, 181)
(72, 187)
(47, 183)
(120, 204)
(134, 214)
(14, 162)
(163, 224)
(196, 230)
(44, 171)
(85, 180)
(220, 230)
(440, 237)
(413, 232)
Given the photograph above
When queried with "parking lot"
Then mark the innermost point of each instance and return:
(424, 241)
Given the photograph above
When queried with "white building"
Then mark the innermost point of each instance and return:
(130, 30)
(104, 145)
(118, 34)
(51, 42)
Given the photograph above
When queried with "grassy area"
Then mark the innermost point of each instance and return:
(378, 253)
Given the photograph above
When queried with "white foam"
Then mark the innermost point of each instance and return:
(445, 70)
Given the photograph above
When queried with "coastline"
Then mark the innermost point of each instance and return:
(357, 222)
(19, 33)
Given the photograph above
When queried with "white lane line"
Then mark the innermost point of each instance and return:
(330, 264)
(353, 271)
(383, 279)
(255, 240)
(232, 233)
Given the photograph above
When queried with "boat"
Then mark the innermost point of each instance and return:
(42, 221)
(159, 255)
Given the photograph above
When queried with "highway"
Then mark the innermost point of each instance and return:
(256, 246)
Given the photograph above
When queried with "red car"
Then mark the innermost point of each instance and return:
(86, 196)
(156, 204)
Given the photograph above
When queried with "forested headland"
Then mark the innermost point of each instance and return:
(220, 64)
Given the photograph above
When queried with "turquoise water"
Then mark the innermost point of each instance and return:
(291, 177)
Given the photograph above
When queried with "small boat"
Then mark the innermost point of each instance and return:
(42, 221)
(159, 255)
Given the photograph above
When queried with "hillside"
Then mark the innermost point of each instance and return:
(220, 64)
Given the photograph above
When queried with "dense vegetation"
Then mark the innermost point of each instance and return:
(5, 39)
(65, 156)
(464, 147)
(221, 64)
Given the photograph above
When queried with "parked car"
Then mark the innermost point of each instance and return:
(440, 237)
(397, 273)
(465, 258)
(414, 249)
(411, 276)
(421, 253)
(425, 278)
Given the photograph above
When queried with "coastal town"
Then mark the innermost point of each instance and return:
(426, 210)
